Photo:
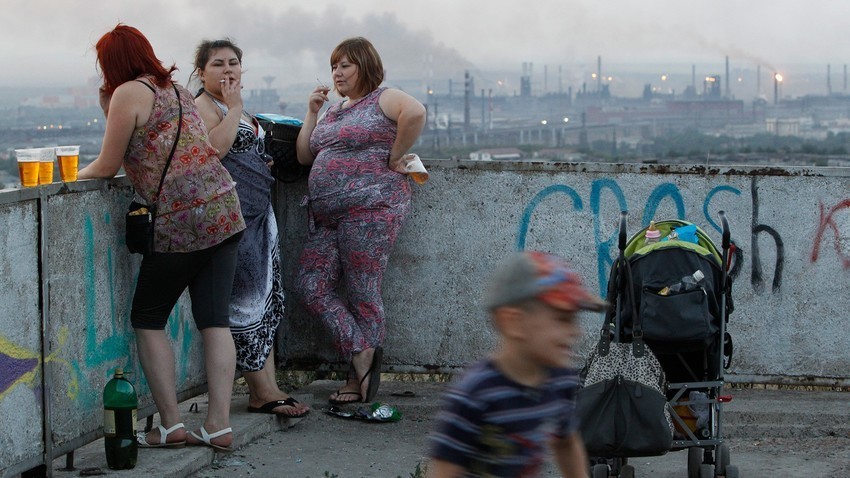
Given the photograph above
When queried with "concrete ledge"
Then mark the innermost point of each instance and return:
(181, 462)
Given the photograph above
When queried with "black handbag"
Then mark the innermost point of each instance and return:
(140, 217)
(280, 145)
(622, 407)
(621, 410)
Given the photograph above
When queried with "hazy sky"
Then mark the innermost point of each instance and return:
(50, 42)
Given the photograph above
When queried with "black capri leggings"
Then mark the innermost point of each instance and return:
(163, 276)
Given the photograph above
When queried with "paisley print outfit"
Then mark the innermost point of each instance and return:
(198, 207)
(257, 300)
(356, 206)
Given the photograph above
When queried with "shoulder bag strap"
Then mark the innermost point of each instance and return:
(171, 154)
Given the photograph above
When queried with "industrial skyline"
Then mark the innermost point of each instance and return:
(51, 41)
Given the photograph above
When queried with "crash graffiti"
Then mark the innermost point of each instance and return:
(605, 240)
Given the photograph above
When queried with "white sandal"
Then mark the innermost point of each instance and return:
(142, 438)
(206, 438)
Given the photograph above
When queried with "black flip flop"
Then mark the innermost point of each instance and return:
(270, 406)
(375, 375)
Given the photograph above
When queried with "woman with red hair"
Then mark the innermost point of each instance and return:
(197, 227)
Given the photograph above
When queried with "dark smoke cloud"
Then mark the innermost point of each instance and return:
(303, 40)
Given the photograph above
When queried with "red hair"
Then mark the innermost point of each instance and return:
(124, 54)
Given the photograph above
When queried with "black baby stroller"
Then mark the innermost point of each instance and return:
(686, 331)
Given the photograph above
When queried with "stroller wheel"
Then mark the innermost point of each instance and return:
(732, 471)
(722, 458)
(627, 471)
(600, 471)
(706, 471)
(695, 455)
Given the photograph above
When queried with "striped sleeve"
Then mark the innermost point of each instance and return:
(457, 429)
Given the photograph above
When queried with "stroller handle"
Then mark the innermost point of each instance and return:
(623, 239)
(725, 223)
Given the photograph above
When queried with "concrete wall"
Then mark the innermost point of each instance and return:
(20, 335)
(63, 264)
(790, 290)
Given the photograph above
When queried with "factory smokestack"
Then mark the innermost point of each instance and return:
(467, 89)
(727, 79)
(777, 78)
(828, 79)
(560, 81)
(599, 74)
(694, 76)
(758, 81)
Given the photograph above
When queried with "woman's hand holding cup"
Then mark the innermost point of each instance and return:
(411, 165)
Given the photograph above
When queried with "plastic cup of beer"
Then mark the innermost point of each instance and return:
(413, 167)
(28, 162)
(46, 158)
(69, 161)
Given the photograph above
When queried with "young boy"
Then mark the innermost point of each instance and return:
(503, 412)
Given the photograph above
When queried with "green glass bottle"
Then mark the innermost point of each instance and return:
(119, 422)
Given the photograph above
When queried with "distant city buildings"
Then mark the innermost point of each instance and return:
(517, 115)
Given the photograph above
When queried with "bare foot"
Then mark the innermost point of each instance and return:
(348, 393)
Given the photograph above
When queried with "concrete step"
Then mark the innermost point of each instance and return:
(758, 418)
(756, 413)
(180, 462)
(799, 430)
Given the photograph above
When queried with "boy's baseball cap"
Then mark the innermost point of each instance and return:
(542, 276)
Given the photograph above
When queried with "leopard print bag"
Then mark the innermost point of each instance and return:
(621, 360)
(622, 406)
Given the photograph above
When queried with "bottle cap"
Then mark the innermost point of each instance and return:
(698, 275)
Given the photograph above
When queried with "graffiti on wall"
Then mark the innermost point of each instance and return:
(18, 367)
(109, 336)
(106, 339)
(21, 367)
(606, 246)
(827, 221)
(756, 275)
